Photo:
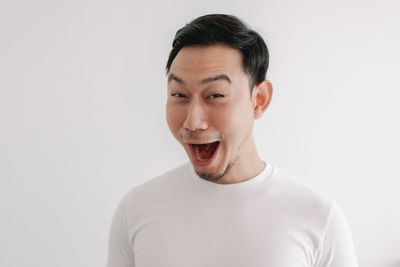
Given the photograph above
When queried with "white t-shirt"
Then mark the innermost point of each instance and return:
(272, 220)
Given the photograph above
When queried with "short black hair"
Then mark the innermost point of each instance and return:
(230, 30)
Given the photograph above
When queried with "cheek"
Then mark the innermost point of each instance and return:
(175, 117)
(233, 118)
(234, 123)
(225, 122)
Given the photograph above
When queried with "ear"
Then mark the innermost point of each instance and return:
(261, 97)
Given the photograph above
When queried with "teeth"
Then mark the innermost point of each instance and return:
(197, 153)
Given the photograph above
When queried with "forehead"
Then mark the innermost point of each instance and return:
(199, 62)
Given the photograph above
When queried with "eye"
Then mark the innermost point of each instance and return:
(215, 96)
(179, 95)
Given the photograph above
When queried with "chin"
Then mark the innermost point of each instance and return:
(213, 176)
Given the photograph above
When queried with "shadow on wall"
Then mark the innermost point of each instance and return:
(393, 264)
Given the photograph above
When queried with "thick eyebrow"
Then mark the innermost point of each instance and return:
(216, 78)
(175, 78)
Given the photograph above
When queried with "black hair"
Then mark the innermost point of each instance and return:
(230, 30)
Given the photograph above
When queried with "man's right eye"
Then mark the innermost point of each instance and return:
(178, 95)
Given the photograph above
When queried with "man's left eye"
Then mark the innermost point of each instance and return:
(215, 96)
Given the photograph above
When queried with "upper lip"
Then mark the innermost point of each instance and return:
(200, 142)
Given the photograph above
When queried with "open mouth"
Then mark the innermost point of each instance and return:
(204, 152)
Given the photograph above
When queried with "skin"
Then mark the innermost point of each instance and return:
(209, 100)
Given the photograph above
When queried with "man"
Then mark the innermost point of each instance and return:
(227, 207)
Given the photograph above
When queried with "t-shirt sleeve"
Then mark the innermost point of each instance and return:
(120, 252)
(337, 249)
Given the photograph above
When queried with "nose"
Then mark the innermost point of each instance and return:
(196, 119)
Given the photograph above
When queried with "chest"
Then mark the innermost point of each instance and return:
(223, 237)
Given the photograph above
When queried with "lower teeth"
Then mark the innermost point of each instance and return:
(198, 157)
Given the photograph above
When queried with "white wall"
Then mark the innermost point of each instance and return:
(82, 95)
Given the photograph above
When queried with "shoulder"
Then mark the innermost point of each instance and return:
(299, 202)
(304, 207)
(157, 188)
(291, 188)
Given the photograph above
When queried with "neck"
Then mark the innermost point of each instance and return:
(247, 165)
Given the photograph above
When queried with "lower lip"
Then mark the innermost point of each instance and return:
(203, 163)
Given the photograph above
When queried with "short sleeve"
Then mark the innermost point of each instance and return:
(120, 252)
(336, 249)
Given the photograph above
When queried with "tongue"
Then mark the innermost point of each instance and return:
(206, 151)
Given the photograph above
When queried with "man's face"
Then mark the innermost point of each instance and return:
(210, 109)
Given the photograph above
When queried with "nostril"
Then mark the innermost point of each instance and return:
(195, 125)
(195, 122)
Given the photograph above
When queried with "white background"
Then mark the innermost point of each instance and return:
(82, 97)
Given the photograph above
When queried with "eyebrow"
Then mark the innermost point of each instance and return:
(225, 77)
(172, 77)
(216, 78)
